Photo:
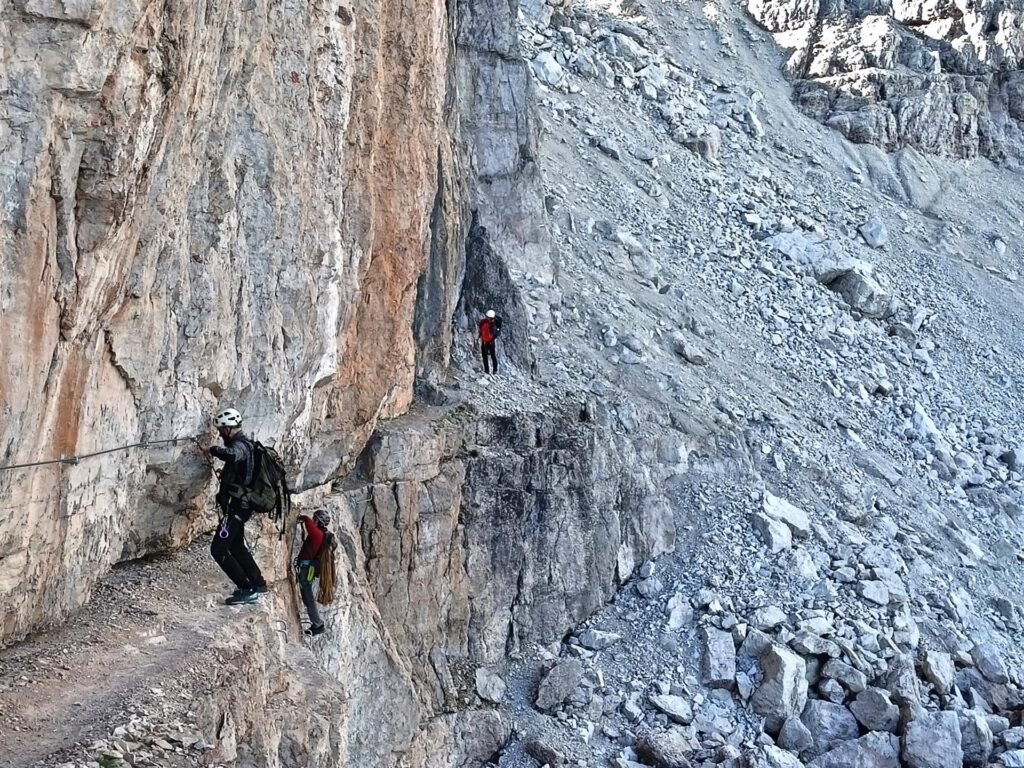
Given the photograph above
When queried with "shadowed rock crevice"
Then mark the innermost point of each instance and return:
(437, 289)
(488, 285)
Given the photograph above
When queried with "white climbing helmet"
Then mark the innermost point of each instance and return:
(229, 417)
(490, 313)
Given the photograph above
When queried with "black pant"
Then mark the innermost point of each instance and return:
(230, 552)
(306, 575)
(487, 349)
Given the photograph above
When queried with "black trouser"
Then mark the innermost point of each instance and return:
(230, 552)
(487, 349)
(306, 574)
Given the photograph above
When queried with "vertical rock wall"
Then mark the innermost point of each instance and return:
(483, 535)
(282, 207)
(506, 236)
(205, 203)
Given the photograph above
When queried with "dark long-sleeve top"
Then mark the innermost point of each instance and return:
(239, 463)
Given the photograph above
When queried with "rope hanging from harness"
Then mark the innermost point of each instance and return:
(325, 569)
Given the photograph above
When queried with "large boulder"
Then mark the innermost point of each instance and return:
(783, 689)
(863, 293)
(791, 515)
(875, 710)
(489, 686)
(939, 671)
(828, 724)
(876, 750)
(767, 618)
(706, 143)
(874, 232)
(597, 640)
(773, 757)
(901, 680)
(815, 253)
(547, 69)
(677, 708)
(776, 535)
(933, 740)
(851, 678)
(559, 683)
(976, 738)
(794, 736)
(755, 645)
(851, 278)
(990, 663)
(719, 666)
(664, 749)
(543, 750)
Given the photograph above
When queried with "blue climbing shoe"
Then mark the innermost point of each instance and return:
(243, 597)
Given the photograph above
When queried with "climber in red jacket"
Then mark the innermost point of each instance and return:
(490, 329)
(307, 564)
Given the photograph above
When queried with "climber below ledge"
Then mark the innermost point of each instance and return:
(316, 561)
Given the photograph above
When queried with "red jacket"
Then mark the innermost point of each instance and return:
(487, 330)
(314, 539)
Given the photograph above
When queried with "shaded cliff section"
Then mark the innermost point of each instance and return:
(535, 518)
(488, 224)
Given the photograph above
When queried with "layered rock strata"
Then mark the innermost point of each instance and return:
(944, 78)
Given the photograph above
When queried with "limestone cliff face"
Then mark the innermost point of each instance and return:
(943, 77)
(288, 209)
(212, 203)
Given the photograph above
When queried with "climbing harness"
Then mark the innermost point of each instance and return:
(73, 460)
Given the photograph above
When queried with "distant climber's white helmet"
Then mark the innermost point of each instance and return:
(229, 417)
(490, 313)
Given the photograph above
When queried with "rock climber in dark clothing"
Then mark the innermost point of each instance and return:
(238, 476)
(307, 561)
(490, 329)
